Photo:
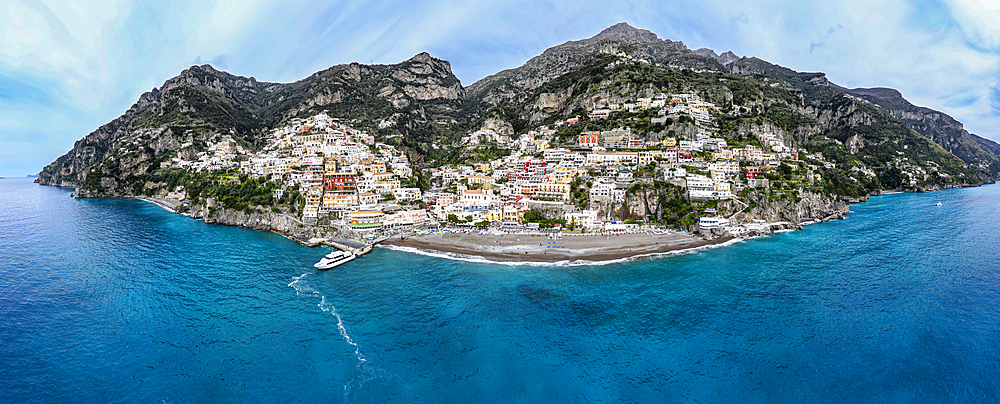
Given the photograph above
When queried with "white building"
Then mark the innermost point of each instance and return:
(586, 219)
(712, 222)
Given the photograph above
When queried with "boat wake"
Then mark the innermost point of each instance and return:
(340, 326)
(366, 373)
(302, 288)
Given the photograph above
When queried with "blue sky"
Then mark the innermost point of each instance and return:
(68, 67)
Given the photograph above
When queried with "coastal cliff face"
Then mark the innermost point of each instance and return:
(806, 206)
(806, 109)
(279, 222)
(938, 127)
(659, 203)
(871, 121)
(419, 104)
(192, 108)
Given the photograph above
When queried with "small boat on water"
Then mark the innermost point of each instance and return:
(334, 259)
(938, 204)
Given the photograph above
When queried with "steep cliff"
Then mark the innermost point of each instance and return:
(825, 102)
(796, 209)
(279, 222)
(938, 127)
(664, 203)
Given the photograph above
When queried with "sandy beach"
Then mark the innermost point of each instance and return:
(165, 203)
(542, 248)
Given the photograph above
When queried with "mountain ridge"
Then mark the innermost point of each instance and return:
(201, 101)
(420, 102)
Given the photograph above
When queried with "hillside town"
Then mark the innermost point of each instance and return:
(350, 180)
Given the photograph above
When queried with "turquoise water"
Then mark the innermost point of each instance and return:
(120, 301)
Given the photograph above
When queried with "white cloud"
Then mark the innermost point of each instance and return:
(879, 45)
(979, 20)
(62, 39)
(94, 58)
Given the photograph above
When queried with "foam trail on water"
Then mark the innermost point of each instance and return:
(340, 326)
(295, 281)
(303, 288)
(367, 374)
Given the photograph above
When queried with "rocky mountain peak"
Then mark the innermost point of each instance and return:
(205, 67)
(728, 57)
(624, 30)
(725, 58)
(880, 92)
(423, 63)
(706, 52)
(561, 59)
(421, 102)
(421, 57)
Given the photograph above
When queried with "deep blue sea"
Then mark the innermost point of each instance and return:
(115, 300)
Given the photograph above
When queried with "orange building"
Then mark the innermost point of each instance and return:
(590, 139)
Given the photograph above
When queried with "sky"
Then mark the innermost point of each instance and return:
(67, 68)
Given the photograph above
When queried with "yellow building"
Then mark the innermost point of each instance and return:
(375, 168)
(512, 215)
(480, 179)
(366, 220)
(383, 176)
(723, 155)
(554, 191)
(563, 175)
(495, 215)
(339, 202)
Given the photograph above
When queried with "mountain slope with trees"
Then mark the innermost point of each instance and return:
(871, 134)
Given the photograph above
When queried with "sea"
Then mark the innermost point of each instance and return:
(121, 301)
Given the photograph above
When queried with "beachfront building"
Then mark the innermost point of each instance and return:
(552, 191)
(712, 222)
(586, 220)
(702, 187)
(406, 218)
(600, 191)
(366, 221)
(619, 227)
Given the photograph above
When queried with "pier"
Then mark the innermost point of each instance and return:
(358, 247)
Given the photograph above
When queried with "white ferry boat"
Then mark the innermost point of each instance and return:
(334, 259)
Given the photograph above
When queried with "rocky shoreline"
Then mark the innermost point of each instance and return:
(274, 222)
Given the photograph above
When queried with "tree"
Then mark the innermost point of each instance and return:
(891, 178)
(785, 170)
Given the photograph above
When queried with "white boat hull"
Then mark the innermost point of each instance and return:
(327, 263)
